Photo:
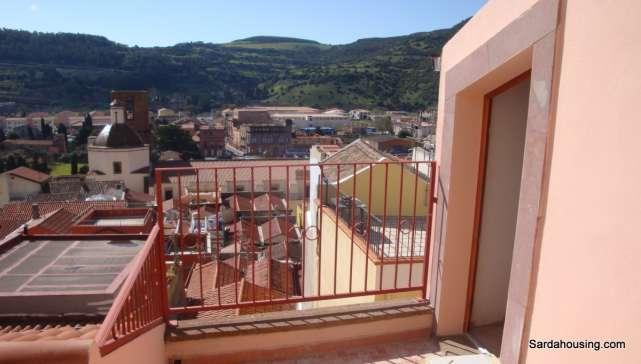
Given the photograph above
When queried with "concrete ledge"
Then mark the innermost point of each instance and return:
(293, 333)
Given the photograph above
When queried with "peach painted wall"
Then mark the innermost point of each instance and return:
(147, 348)
(588, 284)
(462, 87)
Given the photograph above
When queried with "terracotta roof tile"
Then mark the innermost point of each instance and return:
(37, 332)
(294, 250)
(58, 222)
(240, 203)
(276, 229)
(20, 212)
(29, 174)
(356, 152)
(212, 278)
(263, 202)
(282, 277)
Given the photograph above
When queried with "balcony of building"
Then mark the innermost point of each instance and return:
(247, 277)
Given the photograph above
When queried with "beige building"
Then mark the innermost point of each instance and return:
(20, 183)
(118, 153)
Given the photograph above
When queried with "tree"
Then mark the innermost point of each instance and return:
(404, 134)
(84, 169)
(384, 124)
(82, 137)
(74, 163)
(13, 135)
(88, 122)
(62, 129)
(2, 136)
(171, 137)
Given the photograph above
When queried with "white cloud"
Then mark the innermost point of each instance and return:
(34, 7)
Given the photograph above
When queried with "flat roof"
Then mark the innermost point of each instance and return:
(80, 276)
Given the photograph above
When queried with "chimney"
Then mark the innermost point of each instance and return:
(35, 211)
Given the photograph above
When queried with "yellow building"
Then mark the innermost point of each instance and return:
(373, 215)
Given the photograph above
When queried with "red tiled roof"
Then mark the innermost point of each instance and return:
(357, 152)
(59, 222)
(263, 202)
(294, 250)
(8, 226)
(244, 291)
(250, 291)
(277, 227)
(221, 170)
(282, 277)
(246, 230)
(20, 212)
(37, 332)
(29, 174)
(212, 278)
(220, 296)
(241, 203)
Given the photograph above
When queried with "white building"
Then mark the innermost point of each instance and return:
(118, 153)
(20, 183)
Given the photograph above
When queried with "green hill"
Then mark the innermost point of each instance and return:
(63, 70)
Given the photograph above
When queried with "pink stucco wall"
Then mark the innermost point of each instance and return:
(588, 284)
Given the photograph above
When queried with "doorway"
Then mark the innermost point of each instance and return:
(501, 163)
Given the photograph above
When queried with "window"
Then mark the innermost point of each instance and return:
(117, 167)
(169, 194)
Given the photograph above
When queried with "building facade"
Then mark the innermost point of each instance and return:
(136, 103)
(118, 153)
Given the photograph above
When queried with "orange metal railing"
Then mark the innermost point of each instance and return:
(138, 307)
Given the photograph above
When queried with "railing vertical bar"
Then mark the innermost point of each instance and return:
(353, 225)
(146, 293)
(398, 226)
(269, 225)
(428, 235)
(181, 238)
(287, 233)
(304, 256)
(382, 244)
(234, 199)
(319, 246)
(136, 304)
(338, 187)
(200, 237)
(239, 223)
(413, 233)
(369, 224)
(252, 234)
(164, 300)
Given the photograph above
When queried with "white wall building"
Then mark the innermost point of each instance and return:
(118, 153)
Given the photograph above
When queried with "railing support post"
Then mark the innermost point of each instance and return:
(428, 225)
(161, 247)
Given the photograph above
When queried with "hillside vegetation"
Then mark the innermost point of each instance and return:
(63, 71)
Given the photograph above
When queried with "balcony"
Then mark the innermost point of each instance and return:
(252, 255)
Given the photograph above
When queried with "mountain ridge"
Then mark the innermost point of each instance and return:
(69, 70)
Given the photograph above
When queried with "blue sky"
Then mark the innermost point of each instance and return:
(164, 22)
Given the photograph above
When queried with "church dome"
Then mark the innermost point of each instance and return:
(118, 136)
